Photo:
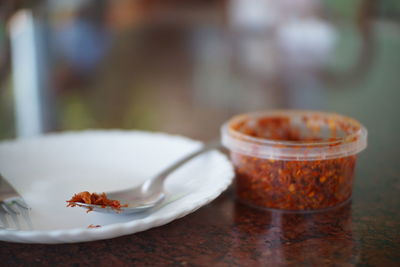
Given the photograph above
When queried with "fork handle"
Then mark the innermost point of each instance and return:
(155, 184)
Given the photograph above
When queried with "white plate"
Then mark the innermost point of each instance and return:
(48, 170)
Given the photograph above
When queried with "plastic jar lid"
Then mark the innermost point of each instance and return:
(334, 135)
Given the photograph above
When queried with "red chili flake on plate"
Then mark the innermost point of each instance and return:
(96, 199)
(91, 226)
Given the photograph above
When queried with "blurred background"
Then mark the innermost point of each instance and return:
(186, 66)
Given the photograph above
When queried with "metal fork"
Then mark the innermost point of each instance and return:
(14, 212)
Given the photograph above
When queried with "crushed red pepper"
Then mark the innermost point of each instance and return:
(91, 226)
(293, 184)
(96, 199)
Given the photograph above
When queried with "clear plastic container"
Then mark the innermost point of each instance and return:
(292, 159)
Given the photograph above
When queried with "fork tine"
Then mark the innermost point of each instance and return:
(4, 207)
(3, 217)
(24, 211)
(21, 203)
(11, 210)
(12, 214)
(26, 217)
(14, 218)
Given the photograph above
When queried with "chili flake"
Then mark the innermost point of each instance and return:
(294, 160)
(95, 199)
(91, 226)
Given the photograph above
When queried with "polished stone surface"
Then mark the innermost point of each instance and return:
(228, 233)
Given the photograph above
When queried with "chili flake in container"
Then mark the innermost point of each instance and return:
(292, 159)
